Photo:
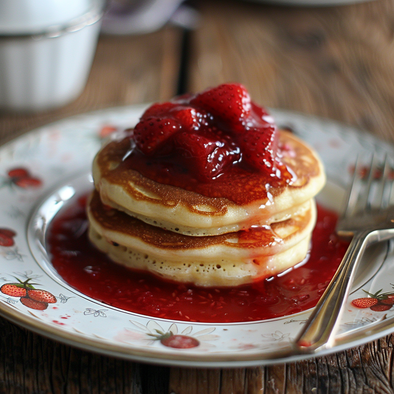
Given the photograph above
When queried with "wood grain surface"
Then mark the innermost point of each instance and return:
(335, 62)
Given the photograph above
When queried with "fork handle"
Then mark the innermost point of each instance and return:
(320, 328)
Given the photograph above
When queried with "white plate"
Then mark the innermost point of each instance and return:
(60, 156)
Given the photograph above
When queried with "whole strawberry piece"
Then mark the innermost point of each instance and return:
(41, 296)
(33, 304)
(185, 115)
(364, 302)
(188, 118)
(151, 133)
(229, 102)
(13, 290)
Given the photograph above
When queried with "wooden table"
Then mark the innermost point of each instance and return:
(335, 62)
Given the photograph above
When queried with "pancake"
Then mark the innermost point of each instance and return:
(198, 210)
(223, 260)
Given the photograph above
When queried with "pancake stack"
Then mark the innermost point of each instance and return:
(219, 233)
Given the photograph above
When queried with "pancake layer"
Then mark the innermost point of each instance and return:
(224, 260)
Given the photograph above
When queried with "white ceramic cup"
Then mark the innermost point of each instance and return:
(45, 57)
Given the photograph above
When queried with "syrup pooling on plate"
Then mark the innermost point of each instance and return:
(89, 271)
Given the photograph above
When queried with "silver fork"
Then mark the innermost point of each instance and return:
(368, 218)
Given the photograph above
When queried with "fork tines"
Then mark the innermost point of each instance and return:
(371, 187)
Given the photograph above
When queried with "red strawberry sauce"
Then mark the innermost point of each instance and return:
(92, 273)
(207, 134)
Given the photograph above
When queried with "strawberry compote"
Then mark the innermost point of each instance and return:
(217, 137)
(92, 273)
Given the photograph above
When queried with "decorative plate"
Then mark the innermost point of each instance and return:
(42, 170)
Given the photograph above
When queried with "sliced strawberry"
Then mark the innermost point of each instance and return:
(151, 133)
(195, 150)
(195, 145)
(13, 290)
(259, 146)
(41, 295)
(206, 156)
(229, 102)
(188, 118)
(33, 304)
(364, 302)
